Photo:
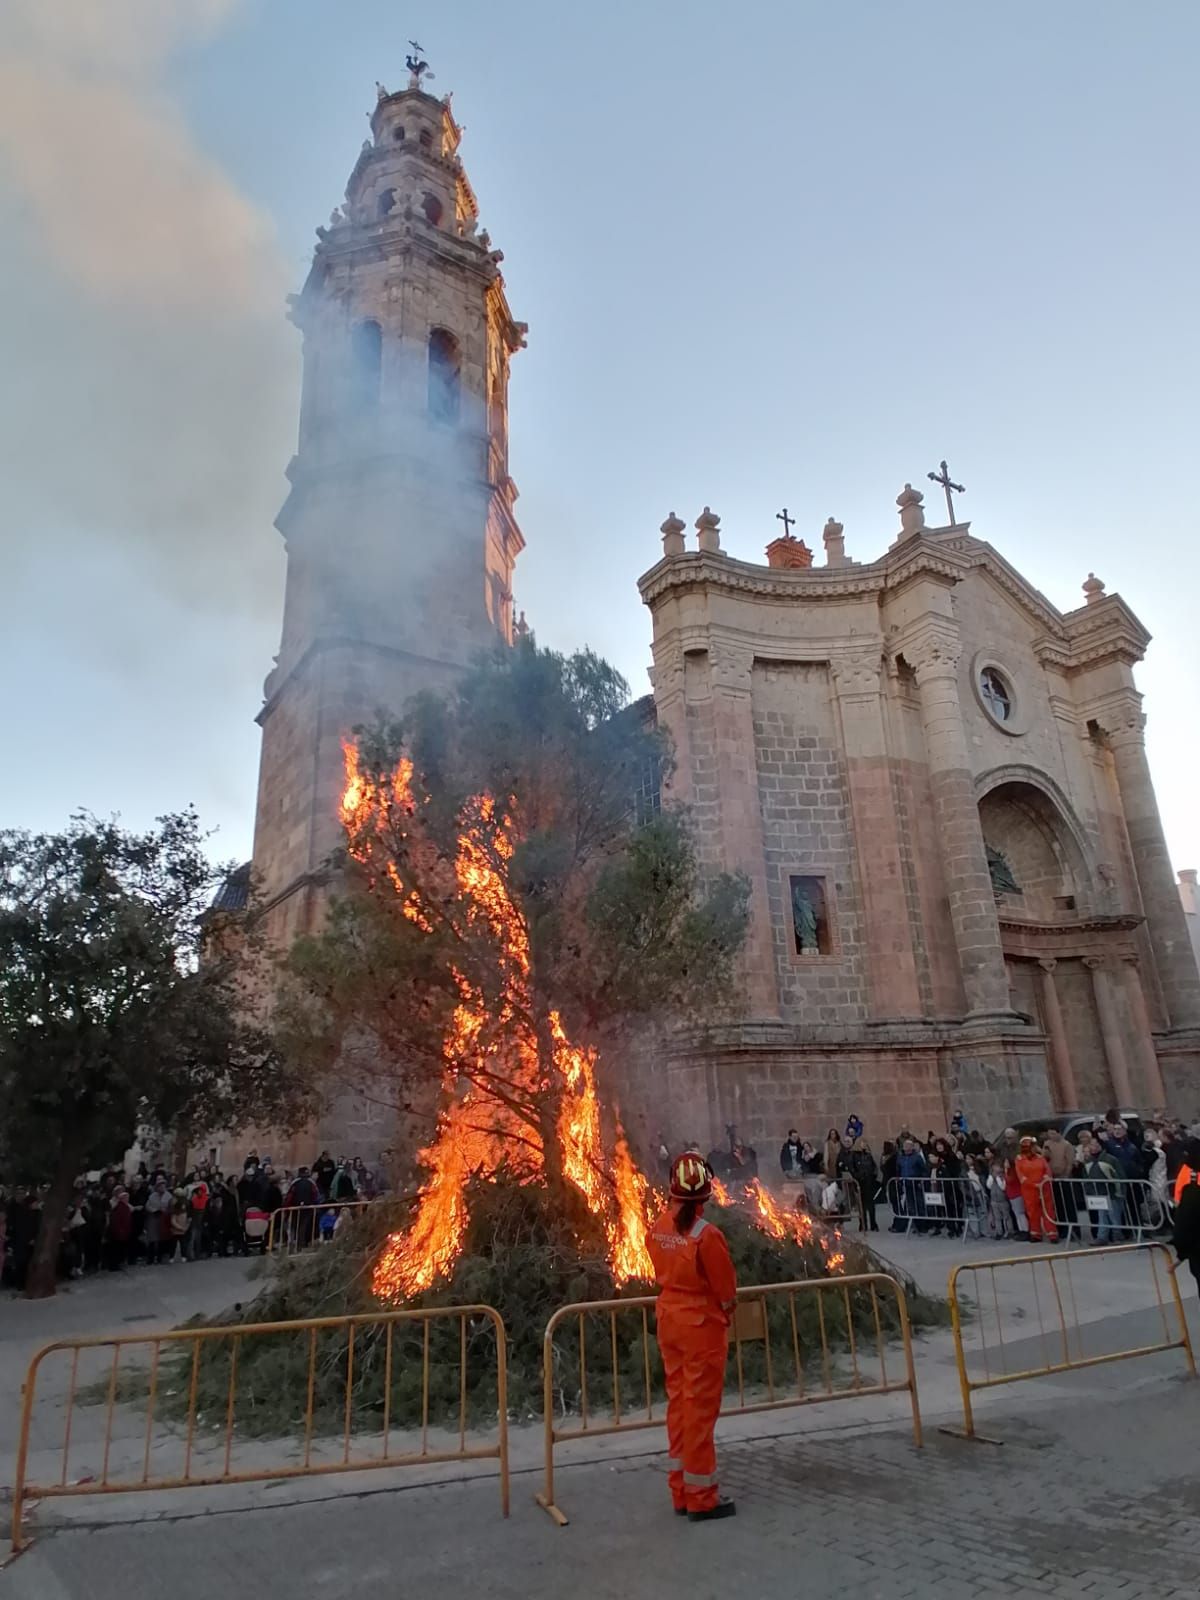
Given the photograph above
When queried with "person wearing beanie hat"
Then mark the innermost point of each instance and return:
(698, 1287)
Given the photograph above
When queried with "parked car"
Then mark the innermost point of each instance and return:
(1071, 1124)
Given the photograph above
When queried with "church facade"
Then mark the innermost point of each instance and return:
(937, 786)
(934, 781)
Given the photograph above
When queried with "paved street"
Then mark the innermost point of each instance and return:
(1096, 1492)
(1095, 1500)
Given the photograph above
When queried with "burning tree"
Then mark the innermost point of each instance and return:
(508, 916)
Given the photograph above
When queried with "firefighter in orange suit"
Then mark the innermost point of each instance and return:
(1033, 1174)
(695, 1274)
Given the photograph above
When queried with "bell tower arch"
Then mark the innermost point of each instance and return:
(399, 523)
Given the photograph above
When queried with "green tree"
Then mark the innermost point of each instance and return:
(109, 1018)
(615, 920)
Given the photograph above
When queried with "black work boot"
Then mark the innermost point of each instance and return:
(723, 1508)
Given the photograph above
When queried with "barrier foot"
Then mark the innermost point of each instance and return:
(961, 1433)
(552, 1510)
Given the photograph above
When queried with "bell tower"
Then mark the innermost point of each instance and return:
(399, 524)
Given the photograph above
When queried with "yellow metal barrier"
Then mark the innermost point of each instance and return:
(208, 1448)
(293, 1228)
(804, 1372)
(1052, 1279)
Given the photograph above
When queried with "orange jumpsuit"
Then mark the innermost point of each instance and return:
(1033, 1174)
(697, 1280)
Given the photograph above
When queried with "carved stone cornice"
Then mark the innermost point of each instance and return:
(697, 569)
(1097, 924)
(1105, 631)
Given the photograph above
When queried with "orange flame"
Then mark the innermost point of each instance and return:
(477, 1131)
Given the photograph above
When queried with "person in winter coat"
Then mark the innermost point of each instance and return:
(120, 1231)
(698, 1292)
(1186, 1238)
(865, 1173)
(1060, 1157)
(342, 1187)
(791, 1160)
(911, 1171)
(1101, 1191)
(832, 1163)
(948, 1168)
(1033, 1174)
(1120, 1149)
(1155, 1158)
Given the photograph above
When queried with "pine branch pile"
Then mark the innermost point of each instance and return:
(527, 1259)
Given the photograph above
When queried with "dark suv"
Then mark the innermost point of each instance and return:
(1071, 1124)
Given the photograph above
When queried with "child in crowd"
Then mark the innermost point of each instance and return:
(1001, 1222)
(976, 1203)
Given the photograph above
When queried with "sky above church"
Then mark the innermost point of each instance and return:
(769, 254)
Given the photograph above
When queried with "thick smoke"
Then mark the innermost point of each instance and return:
(148, 408)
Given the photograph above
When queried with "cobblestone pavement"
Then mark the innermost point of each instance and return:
(1099, 1500)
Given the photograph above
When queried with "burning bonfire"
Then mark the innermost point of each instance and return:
(493, 1048)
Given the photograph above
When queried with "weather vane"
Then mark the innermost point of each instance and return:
(416, 64)
(951, 489)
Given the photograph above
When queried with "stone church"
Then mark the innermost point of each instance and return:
(934, 780)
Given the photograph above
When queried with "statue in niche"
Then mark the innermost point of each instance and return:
(805, 916)
(1001, 873)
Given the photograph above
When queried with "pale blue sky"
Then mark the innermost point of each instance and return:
(773, 253)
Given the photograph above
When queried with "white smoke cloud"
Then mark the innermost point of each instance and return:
(149, 397)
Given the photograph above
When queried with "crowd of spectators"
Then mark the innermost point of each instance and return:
(1118, 1179)
(152, 1217)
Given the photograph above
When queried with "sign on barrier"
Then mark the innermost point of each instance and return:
(205, 1379)
(1063, 1342)
(810, 1341)
(294, 1228)
(931, 1204)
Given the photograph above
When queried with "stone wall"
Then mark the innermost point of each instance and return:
(997, 1080)
(806, 830)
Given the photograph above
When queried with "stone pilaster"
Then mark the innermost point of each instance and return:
(668, 677)
(1110, 1030)
(1156, 1094)
(1165, 921)
(743, 846)
(887, 931)
(934, 658)
(1065, 1092)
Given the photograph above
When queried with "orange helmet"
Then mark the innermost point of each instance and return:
(691, 1178)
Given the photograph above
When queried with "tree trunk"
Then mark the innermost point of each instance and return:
(42, 1278)
(549, 1108)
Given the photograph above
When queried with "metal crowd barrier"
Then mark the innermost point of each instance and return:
(294, 1228)
(1065, 1343)
(219, 1446)
(933, 1203)
(1126, 1207)
(792, 1369)
(806, 1192)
